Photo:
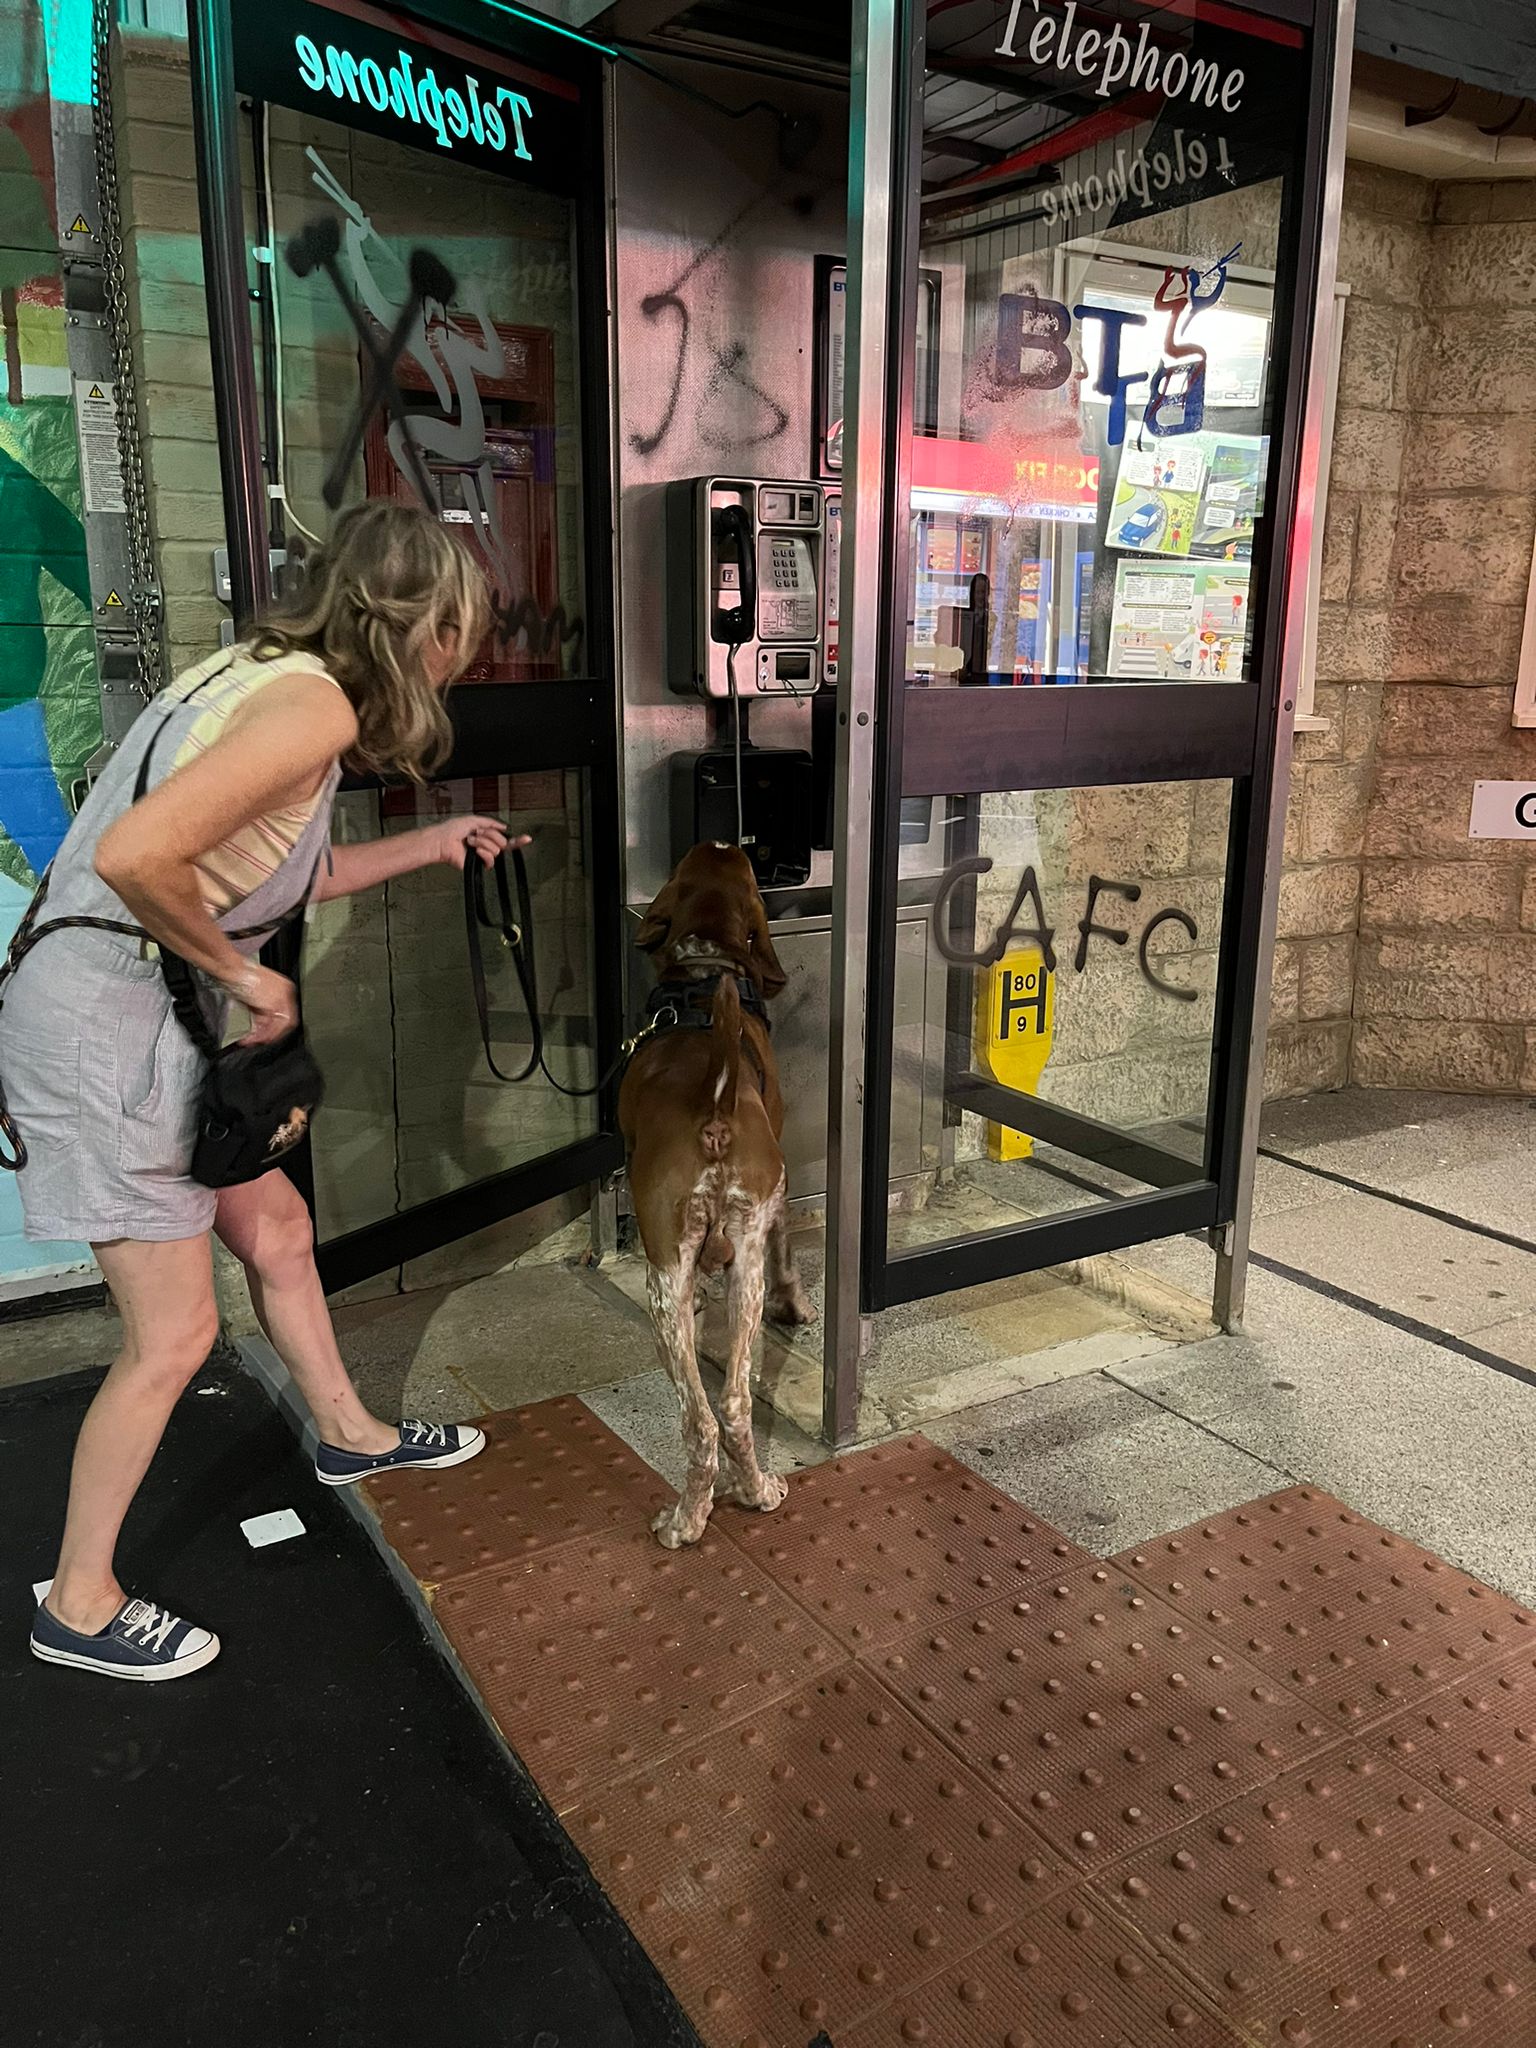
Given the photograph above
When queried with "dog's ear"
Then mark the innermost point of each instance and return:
(762, 961)
(656, 927)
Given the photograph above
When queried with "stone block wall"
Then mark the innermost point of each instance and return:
(1383, 251)
(1445, 993)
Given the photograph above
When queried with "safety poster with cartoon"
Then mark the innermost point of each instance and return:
(1191, 497)
(1179, 621)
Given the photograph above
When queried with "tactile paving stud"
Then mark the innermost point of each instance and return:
(877, 1543)
(1360, 1621)
(1345, 1906)
(1095, 1711)
(548, 1473)
(1068, 1976)
(792, 1873)
(608, 1654)
(1476, 1746)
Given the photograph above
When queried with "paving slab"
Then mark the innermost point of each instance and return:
(954, 1824)
(608, 1654)
(547, 1474)
(1069, 1972)
(1393, 1136)
(1401, 1260)
(502, 1341)
(644, 1412)
(796, 1871)
(1351, 1617)
(1475, 1745)
(1097, 1711)
(885, 1540)
(1345, 1906)
(63, 1341)
(1101, 1462)
(1403, 1430)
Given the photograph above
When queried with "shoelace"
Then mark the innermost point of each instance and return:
(149, 1623)
(432, 1433)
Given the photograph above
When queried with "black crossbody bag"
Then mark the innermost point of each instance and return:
(256, 1101)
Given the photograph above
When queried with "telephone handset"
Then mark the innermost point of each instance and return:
(733, 571)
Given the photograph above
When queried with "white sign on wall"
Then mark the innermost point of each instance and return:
(1503, 810)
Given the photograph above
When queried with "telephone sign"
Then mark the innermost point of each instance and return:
(1016, 1026)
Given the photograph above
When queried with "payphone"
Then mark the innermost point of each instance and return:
(752, 614)
(752, 575)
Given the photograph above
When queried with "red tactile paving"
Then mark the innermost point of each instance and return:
(795, 1871)
(1096, 1711)
(548, 1473)
(877, 1544)
(1068, 1973)
(1345, 1906)
(607, 1654)
(1360, 1621)
(1054, 1803)
(1476, 1746)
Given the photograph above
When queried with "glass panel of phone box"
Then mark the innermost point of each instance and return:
(1103, 203)
(490, 379)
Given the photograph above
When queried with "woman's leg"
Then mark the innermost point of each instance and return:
(164, 1293)
(267, 1227)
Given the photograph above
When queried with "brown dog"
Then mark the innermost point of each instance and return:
(702, 1117)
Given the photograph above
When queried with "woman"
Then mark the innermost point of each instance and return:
(102, 1080)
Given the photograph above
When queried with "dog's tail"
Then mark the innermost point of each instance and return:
(725, 1063)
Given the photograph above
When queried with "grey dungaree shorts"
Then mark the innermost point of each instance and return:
(100, 1078)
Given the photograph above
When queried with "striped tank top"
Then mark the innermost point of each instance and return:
(238, 865)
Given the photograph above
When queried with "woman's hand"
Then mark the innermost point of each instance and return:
(272, 1001)
(456, 838)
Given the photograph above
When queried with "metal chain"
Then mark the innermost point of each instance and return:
(145, 597)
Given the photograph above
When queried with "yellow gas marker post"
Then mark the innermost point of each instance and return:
(1015, 1029)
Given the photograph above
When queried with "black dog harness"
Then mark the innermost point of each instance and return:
(689, 1006)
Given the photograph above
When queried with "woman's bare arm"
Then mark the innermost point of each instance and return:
(365, 865)
(276, 750)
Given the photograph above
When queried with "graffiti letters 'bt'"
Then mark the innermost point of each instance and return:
(1034, 352)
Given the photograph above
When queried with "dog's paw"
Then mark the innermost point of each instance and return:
(790, 1308)
(765, 1492)
(675, 1527)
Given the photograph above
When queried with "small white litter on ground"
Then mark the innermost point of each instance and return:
(277, 1527)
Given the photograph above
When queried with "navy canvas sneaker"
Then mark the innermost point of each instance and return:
(424, 1446)
(141, 1641)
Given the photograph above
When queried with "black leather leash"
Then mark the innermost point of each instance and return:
(516, 934)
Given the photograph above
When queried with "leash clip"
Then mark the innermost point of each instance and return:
(664, 1016)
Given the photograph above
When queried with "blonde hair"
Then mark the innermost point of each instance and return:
(389, 582)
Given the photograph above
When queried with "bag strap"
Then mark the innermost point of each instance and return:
(176, 971)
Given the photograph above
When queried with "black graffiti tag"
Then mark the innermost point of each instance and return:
(1009, 932)
(728, 361)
